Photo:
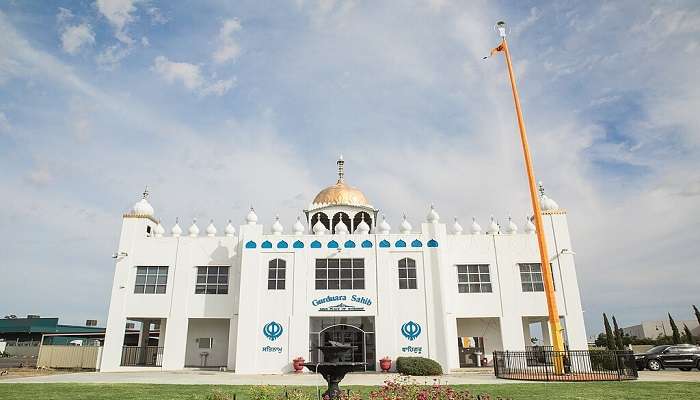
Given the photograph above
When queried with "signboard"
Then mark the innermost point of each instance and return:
(342, 303)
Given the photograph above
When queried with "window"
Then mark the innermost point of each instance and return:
(276, 274)
(205, 342)
(212, 280)
(531, 277)
(407, 274)
(340, 273)
(151, 280)
(473, 278)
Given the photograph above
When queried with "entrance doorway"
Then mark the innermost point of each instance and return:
(354, 331)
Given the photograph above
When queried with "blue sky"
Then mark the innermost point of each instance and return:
(218, 105)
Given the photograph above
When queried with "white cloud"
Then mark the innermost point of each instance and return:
(40, 175)
(4, 123)
(157, 18)
(64, 15)
(228, 49)
(119, 13)
(145, 42)
(111, 56)
(190, 76)
(75, 37)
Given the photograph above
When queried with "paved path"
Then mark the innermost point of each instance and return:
(195, 377)
(199, 377)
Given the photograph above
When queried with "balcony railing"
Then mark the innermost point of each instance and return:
(139, 356)
(578, 365)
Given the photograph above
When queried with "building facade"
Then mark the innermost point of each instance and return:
(253, 300)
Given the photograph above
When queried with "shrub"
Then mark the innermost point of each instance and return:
(417, 366)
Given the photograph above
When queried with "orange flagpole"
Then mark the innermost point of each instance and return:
(554, 324)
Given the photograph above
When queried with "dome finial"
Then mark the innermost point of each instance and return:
(341, 169)
(145, 192)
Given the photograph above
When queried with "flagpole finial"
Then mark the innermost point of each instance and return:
(502, 29)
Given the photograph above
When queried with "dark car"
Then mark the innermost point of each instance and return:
(682, 356)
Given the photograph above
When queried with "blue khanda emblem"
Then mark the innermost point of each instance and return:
(410, 330)
(272, 330)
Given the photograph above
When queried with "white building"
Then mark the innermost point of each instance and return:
(254, 300)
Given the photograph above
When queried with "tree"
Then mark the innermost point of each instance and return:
(697, 313)
(688, 335)
(674, 328)
(618, 335)
(608, 334)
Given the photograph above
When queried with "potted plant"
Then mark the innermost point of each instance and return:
(298, 364)
(385, 364)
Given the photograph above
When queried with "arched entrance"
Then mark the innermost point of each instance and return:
(354, 331)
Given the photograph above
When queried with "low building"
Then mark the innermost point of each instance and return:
(32, 328)
(662, 327)
(254, 299)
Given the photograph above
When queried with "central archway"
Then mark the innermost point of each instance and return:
(355, 331)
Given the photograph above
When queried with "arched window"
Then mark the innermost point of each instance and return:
(276, 274)
(266, 245)
(282, 244)
(250, 245)
(298, 244)
(432, 243)
(349, 244)
(341, 216)
(416, 243)
(400, 243)
(366, 244)
(315, 244)
(358, 218)
(384, 243)
(407, 274)
(324, 220)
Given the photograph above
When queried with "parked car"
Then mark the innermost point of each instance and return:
(682, 356)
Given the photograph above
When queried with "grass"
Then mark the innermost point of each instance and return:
(564, 391)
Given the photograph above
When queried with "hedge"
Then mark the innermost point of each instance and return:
(417, 366)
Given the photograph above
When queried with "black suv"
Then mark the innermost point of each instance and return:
(681, 356)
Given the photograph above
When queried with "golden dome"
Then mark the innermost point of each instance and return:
(341, 193)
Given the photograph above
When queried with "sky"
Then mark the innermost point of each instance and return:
(220, 105)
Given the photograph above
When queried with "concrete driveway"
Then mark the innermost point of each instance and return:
(203, 377)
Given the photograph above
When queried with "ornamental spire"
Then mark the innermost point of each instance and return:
(145, 192)
(341, 169)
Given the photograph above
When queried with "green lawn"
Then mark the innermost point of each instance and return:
(609, 390)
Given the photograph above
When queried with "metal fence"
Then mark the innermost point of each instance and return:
(74, 357)
(576, 365)
(139, 356)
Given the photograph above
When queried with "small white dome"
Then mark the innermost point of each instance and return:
(362, 228)
(529, 226)
(493, 227)
(405, 226)
(457, 228)
(341, 228)
(384, 226)
(277, 227)
(319, 228)
(475, 229)
(547, 204)
(433, 217)
(176, 230)
(298, 227)
(230, 230)
(211, 229)
(159, 231)
(193, 229)
(142, 207)
(251, 218)
(511, 227)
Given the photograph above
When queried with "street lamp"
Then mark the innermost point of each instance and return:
(554, 324)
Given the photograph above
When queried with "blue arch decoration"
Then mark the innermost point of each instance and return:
(432, 243)
(416, 243)
(298, 244)
(400, 243)
(366, 244)
(349, 244)
(384, 243)
(315, 244)
(332, 244)
(266, 245)
(282, 244)
(250, 245)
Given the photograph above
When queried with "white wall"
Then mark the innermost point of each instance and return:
(218, 329)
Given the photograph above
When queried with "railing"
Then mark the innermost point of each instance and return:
(578, 365)
(150, 356)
